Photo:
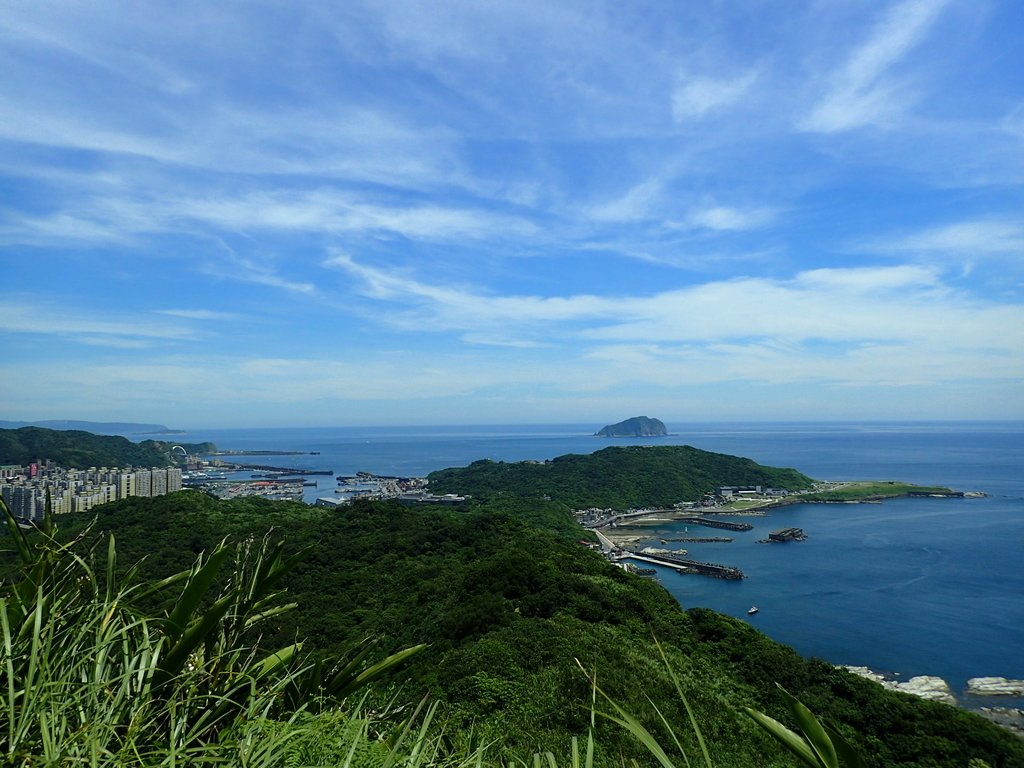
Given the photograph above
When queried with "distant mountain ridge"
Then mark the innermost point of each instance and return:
(96, 427)
(638, 426)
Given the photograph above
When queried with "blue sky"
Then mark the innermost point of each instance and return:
(316, 213)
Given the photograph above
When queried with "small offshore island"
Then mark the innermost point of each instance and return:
(637, 426)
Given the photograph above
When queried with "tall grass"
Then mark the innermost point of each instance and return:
(87, 677)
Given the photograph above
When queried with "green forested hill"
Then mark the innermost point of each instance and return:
(618, 477)
(509, 601)
(79, 450)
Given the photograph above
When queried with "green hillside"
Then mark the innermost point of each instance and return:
(79, 450)
(508, 601)
(618, 477)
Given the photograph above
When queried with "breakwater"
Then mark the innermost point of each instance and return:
(625, 517)
(712, 523)
(698, 539)
(285, 470)
(685, 565)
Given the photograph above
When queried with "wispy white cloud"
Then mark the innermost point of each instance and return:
(809, 322)
(121, 217)
(963, 240)
(695, 96)
(969, 246)
(463, 309)
(246, 270)
(199, 314)
(641, 202)
(113, 342)
(1013, 122)
(862, 92)
(61, 228)
(35, 317)
(725, 218)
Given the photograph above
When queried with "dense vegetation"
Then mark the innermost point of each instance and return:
(866, 491)
(508, 601)
(618, 477)
(80, 450)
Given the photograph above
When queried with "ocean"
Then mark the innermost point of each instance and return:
(906, 587)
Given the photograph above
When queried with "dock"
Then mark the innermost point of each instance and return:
(684, 565)
(688, 520)
(699, 539)
(233, 466)
(712, 523)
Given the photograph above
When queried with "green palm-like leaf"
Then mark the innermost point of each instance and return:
(817, 739)
(20, 539)
(275, 661)
(343, 687)
(792, 741)
(818, 746)
(848, 756)
(200, 580)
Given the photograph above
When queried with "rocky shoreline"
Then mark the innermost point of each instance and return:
(923, 686)
(936, 689)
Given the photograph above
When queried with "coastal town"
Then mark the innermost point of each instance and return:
(27, 489)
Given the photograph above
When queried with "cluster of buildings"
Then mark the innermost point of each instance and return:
(24, 489)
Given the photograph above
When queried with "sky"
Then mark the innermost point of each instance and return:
(252, 214)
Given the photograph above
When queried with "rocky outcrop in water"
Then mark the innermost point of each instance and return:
(995, 686)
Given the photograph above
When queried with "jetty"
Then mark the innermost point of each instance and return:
(625, 517)
(712, 523)
(699, 539)
(283, 470)
(685, 565)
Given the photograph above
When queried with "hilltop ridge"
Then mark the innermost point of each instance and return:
(619, 477)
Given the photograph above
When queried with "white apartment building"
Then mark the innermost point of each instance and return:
(76, 490)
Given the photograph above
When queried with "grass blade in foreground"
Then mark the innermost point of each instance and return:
(816, 745)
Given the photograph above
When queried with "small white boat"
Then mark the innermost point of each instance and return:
(753, 609)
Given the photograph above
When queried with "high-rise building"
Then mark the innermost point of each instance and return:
(173, 479)
(143, 482)
(159, 482)
(23, 501)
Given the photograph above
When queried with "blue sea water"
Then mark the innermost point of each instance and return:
(910, 586)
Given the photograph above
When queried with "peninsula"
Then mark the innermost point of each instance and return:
(638, 426)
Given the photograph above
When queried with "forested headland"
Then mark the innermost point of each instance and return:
(617, 477)
(75, 449)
